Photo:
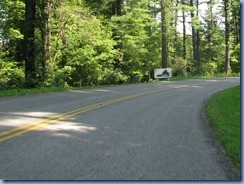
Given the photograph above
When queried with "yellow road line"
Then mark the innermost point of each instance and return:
(53, 119)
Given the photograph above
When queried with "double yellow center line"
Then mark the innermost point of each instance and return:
(53, 119)
(4, 136)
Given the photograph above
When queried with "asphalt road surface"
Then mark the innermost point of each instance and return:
(154, 131)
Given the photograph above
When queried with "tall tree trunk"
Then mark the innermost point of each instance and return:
(227, 46)
(117, 11)
(46, 37)
(198, 46)
(117, 7)
(194, 40)
(165, 27)
(211, 16)
(236, 22)
(29, 51)
(211, 28)
(184, 34)
(175, 27)
(235, 27)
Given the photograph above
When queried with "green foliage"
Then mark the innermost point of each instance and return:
(114, 77)
(11, 18)
(179, 67)
(235, 59)
(11, 28)
(60, 77)
(110, 41)
(11, 75)
(209, 68)
(136, 41)
(86, 46)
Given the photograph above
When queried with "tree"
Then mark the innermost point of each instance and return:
(29, 47)
(195, 36)
(43, 23)
(213, 44)
(198, 41)
(236, 23)
(132, 30)
(12, 27)
(234, 8)
(165, 16)
(176, 45)
(227, 38)
(117, 7)
(86, 42)
(184, 9)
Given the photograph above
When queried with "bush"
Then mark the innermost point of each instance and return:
(235, 59)
(62, 77)
(114, 77)
(209, 68)
(179, 66)
(11, 76)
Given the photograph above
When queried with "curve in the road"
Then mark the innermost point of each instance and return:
(18, 131)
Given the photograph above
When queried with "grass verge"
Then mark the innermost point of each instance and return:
(223, 111)
(14, 92)
(20, 91)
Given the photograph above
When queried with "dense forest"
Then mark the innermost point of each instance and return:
(49, 43)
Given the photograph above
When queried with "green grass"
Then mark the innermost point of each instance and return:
(223, 111)
(14, 92)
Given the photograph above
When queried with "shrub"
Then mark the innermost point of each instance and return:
(179, 66)
(209, 68)
(114, 77)
(11, 75)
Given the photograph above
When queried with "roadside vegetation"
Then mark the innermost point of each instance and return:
(26, 91)
(15, 92)
(223, 111)
(77, 43)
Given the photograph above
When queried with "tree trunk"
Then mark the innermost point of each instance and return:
(29, 51)
(198, 46)
(235, 17)
(184, 34)
(194, 40)
(175, 27)
(117, 7)
(227, 46)
(211, 28)
(46, 37)
(164, 24)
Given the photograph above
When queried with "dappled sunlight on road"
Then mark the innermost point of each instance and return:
(29, 114)
(102, 90)
(92, 91)
(184, 86)
(64, 129)
(11, 120)
(207, 80)
(55, 125)
(80, 91)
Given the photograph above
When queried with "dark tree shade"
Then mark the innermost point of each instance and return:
(29, 51)
(165, 27)
(227, 46)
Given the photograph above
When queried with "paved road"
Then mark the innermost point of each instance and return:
(151, 131)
